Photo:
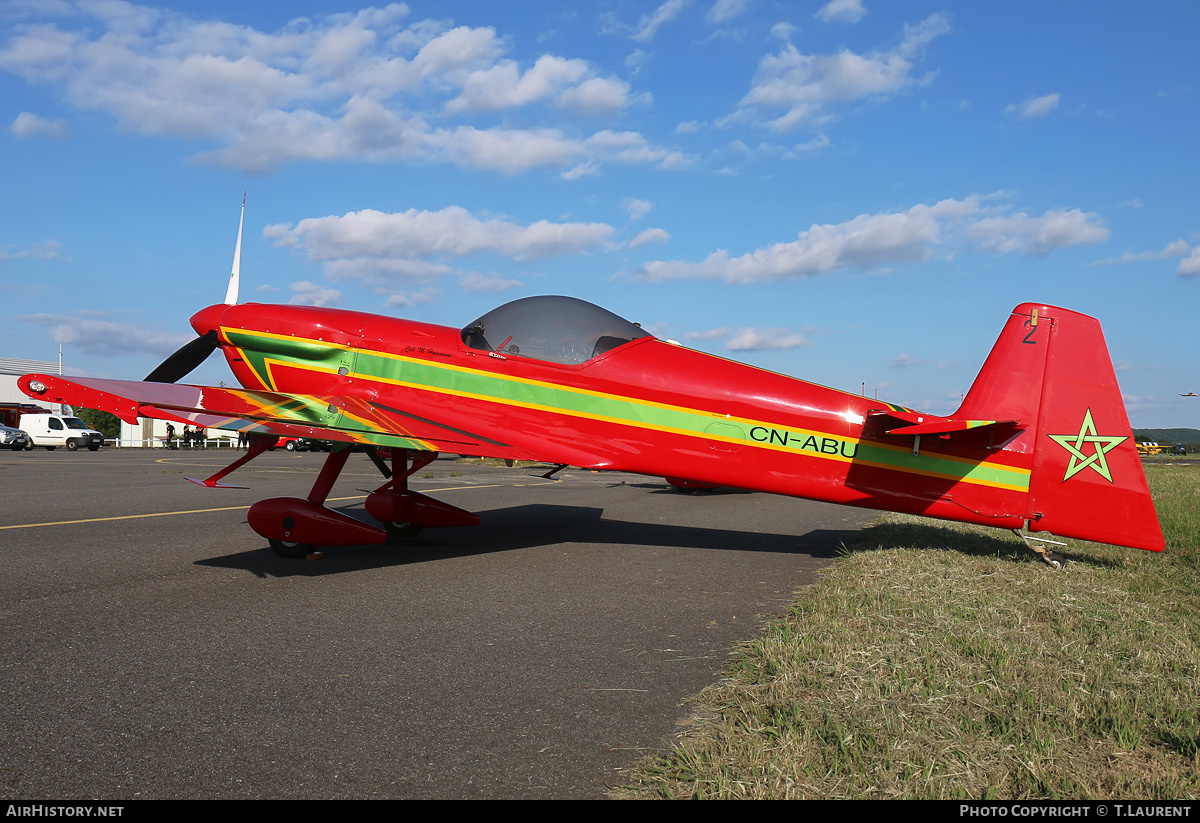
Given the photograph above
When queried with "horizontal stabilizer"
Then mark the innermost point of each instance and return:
(914, 423)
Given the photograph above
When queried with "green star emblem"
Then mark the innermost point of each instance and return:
(1074, 444)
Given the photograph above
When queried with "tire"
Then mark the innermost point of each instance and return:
(402, 529)
(49, 448)
(292, 551)
(72, 445)
(93, 448)
(291, 445)
(28, 445)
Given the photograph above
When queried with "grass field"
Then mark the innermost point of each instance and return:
(945, 661)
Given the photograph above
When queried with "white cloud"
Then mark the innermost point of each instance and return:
(815, 144)
(108, 339)
(586, 169)
(804, 87)
(872, 241)
(363, 86)
(307, 293)
(765, 340)
(385, 249)
(599, 95)
(842, 11)
(722, 11)
(630, 148)
(506, 150)
(783, 31)
(649, 236)
(419, 235)
(46, 250)
(649, 25)
(1190, 266)
(474, 281)
(503, 86)
(1177, 249)
(28, 125)
(1034, 106)
(748, 339)
(1039, 236)
(404, 299)
(637, 208)
(571, 84)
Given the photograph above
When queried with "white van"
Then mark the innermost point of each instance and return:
(52, 430)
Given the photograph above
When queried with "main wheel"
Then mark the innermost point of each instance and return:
(402, 529)
(72, 445)
(291, 550)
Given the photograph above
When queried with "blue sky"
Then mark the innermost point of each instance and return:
(852, 192)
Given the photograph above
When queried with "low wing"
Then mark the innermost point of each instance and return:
(326, 417)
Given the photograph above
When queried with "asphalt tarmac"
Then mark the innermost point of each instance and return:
(155, 647)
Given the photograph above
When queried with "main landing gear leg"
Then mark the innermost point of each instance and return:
(405, 512)
(1038, 546)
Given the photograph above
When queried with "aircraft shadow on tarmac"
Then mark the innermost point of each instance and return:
(931, 537)
(529, 526)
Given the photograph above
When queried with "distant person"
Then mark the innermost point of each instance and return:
(170, 434)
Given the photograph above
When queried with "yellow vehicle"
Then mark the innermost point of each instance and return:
(1148, 448)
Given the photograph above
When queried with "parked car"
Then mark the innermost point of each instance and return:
(14, 439)
(303, 444)
(50, 431)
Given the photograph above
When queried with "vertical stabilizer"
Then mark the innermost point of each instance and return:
(1050, 370)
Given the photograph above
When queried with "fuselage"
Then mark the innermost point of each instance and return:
(647, 406)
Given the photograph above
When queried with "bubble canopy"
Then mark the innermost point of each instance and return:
(558, 329)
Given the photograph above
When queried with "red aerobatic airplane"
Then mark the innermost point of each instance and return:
(1041, 442)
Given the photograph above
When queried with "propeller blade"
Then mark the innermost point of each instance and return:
(188, 357)
(231, 293)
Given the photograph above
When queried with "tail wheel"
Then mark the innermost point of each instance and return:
(291, 550)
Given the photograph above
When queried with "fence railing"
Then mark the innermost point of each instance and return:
(176, 443)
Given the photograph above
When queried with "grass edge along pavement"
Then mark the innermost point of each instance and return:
(943, 661)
